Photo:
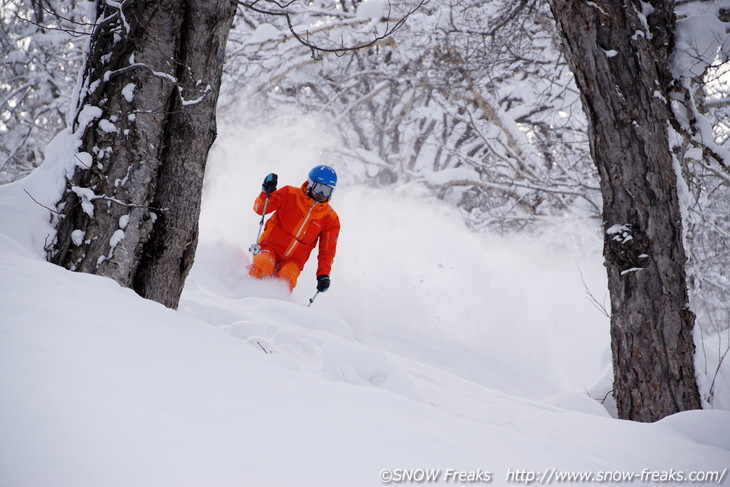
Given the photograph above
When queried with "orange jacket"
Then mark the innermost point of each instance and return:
(292, 232)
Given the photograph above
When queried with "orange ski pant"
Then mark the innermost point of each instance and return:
(265, 265)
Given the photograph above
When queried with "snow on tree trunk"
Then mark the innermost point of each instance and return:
(619, 55)
(146, 120)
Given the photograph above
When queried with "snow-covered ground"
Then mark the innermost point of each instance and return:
(436, 350)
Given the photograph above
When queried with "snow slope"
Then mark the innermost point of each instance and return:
(434, 349)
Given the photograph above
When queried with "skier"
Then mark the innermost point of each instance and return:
(302, 216)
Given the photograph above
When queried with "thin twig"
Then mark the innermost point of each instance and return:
(40, 204)
(590, 296)
(338, 51)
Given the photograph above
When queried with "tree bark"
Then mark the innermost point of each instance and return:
(619, 54)
(146, 121)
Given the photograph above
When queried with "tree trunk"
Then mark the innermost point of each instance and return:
(146, 120)
(619, 55)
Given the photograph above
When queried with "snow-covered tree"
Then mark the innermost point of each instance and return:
(146, 117)
(701, 69)
(40, 54)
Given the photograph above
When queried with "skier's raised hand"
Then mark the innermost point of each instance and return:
(269, 185)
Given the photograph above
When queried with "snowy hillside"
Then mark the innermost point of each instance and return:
(459, 356)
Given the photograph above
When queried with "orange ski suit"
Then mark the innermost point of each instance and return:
(291, 234)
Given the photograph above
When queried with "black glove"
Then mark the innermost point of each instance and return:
(269, 185)
(323, 283)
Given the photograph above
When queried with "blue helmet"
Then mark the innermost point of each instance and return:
(323, 174)
(321, 183)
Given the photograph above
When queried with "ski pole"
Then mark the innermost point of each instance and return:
(311, 300)
(256, 248)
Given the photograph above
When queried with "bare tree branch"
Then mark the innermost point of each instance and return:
(303, 38)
